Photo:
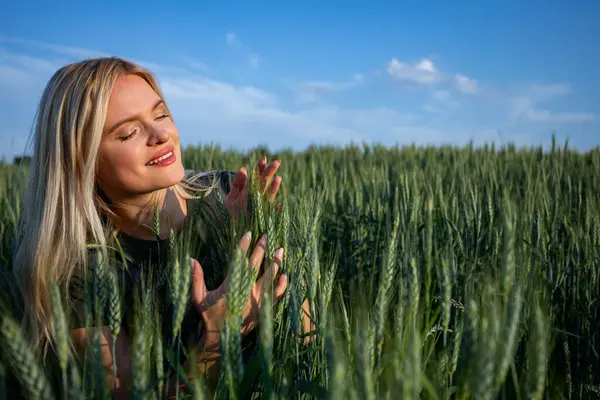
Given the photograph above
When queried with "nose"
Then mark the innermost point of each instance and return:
(158, 135)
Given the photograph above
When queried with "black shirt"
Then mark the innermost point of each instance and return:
(142, 258)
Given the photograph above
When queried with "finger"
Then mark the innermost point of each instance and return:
(198, 284)
(277, 261)
(238, 182)
(222, 289)
(268, 174)
(258, 254)
(261, 164)
(274, 187)
(308, 325)
(277, 208)
(244, 197)
(266, 280)
(244, 242)
(282, 283)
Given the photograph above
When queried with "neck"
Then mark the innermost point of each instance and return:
(136, 214)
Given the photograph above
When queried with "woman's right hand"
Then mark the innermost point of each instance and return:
(212, 305)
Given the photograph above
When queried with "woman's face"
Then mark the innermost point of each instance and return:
(137, 130)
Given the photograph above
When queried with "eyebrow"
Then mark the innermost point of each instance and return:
(128, 119)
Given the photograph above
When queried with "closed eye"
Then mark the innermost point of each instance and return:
(128, 136)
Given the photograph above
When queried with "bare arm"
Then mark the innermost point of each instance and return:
(208, 363)
(212, 307)
(82, 338)
(207, 360)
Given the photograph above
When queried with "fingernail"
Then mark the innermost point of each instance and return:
(249, 235)
(279, 253)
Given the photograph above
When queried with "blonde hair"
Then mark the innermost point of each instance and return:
(63, 208)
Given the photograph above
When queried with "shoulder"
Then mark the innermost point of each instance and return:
(205, 178)
(80, 291)
(83, 274)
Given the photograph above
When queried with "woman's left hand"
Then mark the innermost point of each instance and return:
(237, 198)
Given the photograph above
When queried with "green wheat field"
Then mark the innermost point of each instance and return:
(431, 273)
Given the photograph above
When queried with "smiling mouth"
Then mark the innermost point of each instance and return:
(159, 159)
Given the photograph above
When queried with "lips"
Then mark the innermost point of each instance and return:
(161, 153)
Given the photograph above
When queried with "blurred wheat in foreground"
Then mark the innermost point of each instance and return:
(433, 273)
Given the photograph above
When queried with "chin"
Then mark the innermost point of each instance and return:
(168, 176)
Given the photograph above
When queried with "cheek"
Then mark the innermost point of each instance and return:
(173, 132)
(119, 164)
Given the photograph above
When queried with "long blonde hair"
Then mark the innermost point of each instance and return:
(63, 209)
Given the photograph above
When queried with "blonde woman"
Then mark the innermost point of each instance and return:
(106, 151)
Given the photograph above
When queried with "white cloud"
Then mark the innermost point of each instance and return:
(443, 103)
(524, 105)
(523, 108)
(24, 61)
(465, 84)
(220, 94)
(23, 76)
(425, 73)
(331, 86)
(422, 73)
(248, 116)
(241, 116)
(231, 39)
(196, 65)
(314, 90)
(209, 110)
(430, 108)
(70, 51)
(254, 61)
(549, 116)
(539, 93)
(441, 95)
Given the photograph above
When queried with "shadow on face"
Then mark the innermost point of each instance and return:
(137, 130)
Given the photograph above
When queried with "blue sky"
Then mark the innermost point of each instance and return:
(294, 73)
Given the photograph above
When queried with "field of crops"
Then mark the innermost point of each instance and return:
(434, 273)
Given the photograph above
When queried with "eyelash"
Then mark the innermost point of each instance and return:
(129, 136)
(134, 132)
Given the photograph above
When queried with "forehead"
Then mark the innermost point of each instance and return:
(130, 95)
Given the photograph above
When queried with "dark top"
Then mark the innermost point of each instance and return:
(145, 257)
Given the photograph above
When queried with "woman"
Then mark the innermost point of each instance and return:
(106, 152)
